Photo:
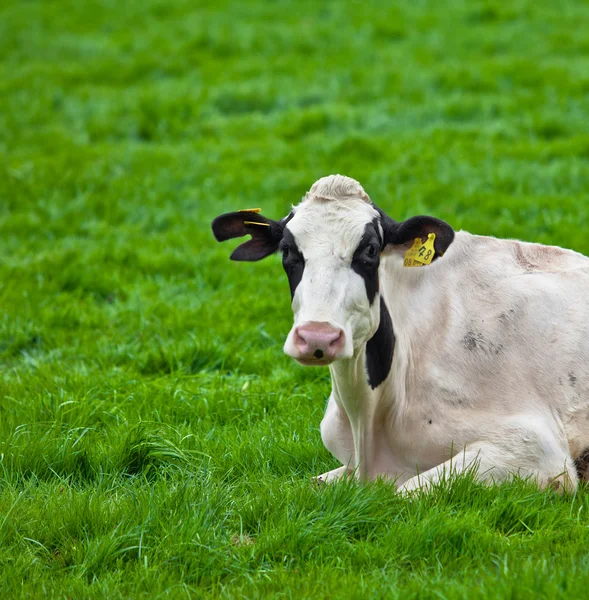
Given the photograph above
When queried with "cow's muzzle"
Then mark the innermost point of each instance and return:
(315, 343)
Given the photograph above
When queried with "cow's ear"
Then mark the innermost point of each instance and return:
(266, 233)
(402, 235)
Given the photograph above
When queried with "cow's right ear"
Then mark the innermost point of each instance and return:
(420, 227)
(266, 233)
(400, 236)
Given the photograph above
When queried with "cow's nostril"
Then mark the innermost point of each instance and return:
(318, 354)
(337, 340)
(299, 339)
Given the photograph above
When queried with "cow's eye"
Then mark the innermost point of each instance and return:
(371, 251)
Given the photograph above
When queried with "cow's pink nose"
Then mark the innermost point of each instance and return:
(319, 341)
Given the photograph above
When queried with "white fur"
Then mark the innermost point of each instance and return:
(337, 187)
(491, 362)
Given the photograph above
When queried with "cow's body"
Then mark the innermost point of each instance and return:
(491, 365)
(480, 358)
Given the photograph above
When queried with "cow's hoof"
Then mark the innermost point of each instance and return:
(331, 476)
(319, 481)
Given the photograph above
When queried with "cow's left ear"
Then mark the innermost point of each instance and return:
(402, 235)
(266, 233)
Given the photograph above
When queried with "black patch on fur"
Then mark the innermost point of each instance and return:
(471, 341)
(380, 349)
(582, 465)
(293, 260)
(366, 259)
(476, 341)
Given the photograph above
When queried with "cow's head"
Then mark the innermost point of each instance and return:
(331, 245)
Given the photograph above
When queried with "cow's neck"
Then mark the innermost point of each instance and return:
(357, 384)
(354, 395)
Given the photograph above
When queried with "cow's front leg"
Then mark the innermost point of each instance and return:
(336, 434)
(495, 463)
(348, 426)
(363, 431)
(350, 443)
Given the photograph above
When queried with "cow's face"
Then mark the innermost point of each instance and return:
(331, 246)
(331, 253)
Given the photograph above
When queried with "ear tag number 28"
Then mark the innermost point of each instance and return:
(420, 254)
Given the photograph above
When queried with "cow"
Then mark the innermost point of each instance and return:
(448, 352)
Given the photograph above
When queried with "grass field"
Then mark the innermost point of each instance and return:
(154, 441)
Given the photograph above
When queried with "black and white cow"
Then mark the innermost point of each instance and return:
(446, 349)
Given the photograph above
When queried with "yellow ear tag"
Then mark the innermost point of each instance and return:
(420, 254)
(256, 210)
(256, 223)
(409, 260)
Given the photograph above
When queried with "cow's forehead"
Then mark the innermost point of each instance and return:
(331, 224)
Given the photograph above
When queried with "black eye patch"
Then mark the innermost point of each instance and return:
(366, 259)
(293, 260)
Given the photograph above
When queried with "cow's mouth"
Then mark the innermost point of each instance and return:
(322, 361)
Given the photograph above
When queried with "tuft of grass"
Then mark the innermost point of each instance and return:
(154, 441)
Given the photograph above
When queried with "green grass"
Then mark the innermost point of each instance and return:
(154, 441)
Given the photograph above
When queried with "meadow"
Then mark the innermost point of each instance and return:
(154, 440)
